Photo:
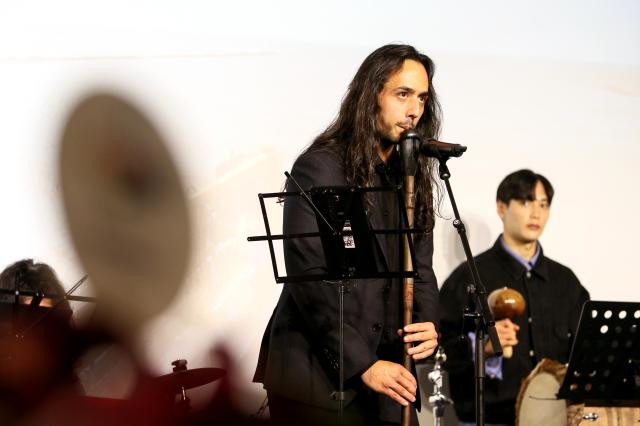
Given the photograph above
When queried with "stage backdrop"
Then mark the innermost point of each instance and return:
(239, 89)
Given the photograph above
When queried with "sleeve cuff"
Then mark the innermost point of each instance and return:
(492, 365)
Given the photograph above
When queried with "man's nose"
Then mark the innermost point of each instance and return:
(535, 210)
(413, 108)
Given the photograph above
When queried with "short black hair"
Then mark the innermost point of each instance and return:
(521, 185)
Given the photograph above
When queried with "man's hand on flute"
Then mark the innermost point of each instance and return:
(391, 379)
(423, 335)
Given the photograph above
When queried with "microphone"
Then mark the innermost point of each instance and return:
(437, 149)
(407, 146)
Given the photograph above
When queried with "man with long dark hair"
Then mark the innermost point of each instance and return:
(392, 91)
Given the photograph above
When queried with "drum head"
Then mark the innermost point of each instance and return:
(537, 404)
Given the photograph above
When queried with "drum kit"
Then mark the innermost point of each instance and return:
(127, 213)
(128, 219)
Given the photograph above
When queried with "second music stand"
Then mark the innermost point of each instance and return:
(604, 366)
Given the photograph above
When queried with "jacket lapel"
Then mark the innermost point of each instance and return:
(376, 223)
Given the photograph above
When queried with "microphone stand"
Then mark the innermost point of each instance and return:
(482, 316)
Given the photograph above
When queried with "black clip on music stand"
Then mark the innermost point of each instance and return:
(604, 365)
(348, 244)
(19, 312)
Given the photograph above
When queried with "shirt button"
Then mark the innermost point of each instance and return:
(528, 274)
(531, 354)
(530, 320)
(376, 327)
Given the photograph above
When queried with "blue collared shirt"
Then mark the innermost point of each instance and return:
(524, 262)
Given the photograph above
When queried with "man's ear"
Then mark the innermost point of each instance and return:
(500, 208)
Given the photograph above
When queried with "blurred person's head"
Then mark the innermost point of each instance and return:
(38, 280)
(37, 346)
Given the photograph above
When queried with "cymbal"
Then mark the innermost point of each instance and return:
(126, 209)
(188, 378)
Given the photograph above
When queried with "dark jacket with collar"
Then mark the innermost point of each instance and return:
(299, 352)
(554, 298)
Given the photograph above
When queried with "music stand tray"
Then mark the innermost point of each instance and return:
(604, 365)
(348, 242)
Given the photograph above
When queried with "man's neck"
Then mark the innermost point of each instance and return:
(385, 149)
(524, 249)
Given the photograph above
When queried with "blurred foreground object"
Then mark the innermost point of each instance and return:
(126, 210)
(128, 217)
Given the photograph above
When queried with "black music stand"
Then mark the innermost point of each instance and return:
(604, 365)
(343, 217)
(348, 242)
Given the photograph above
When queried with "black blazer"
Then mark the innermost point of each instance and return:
(299, 352)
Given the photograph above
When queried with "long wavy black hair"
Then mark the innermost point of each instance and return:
(353, 135)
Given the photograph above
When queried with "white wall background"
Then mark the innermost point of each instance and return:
(238, 89)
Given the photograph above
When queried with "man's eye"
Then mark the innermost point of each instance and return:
(422, 99)
(403, 94)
